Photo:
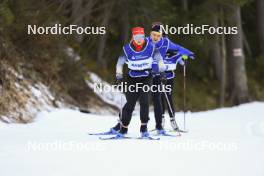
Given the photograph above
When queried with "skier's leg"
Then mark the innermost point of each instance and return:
(144, 106)
(142, 103)
(117, 127)
(128, 108)
(156, 97)
(144, 111)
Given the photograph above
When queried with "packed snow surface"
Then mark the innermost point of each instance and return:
(228, 141)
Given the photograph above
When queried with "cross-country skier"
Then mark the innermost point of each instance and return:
(172, 54)
(143, 61)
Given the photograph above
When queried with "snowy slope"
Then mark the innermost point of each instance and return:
(227, 141)
(115, 98)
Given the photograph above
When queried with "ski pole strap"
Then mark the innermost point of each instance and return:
(123, 125)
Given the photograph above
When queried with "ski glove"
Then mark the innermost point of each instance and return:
(185, 57)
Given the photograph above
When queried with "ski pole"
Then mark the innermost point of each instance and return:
(174, 125)
(121, 106)
(184, 96)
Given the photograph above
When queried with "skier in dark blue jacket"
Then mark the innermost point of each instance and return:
(142, 60)
(172, 54)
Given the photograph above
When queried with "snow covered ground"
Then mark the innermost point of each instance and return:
(227, 141)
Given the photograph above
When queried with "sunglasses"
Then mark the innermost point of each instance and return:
(139, 37)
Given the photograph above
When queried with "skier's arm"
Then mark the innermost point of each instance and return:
(158, 64)
(181, 50)
(120, 64)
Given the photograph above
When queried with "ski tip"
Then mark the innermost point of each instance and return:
(148, 138)
(110, 138)
(95, 134)
(179, 131)
(103, 133)
(183, 131)
(114, 138)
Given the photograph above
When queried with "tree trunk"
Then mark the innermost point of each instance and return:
(260, 25)
(185, 5)
(77, 9)
(101, 62)
(237, 70)
(223, 64)
(218, 58)
(216, 51)
(125, 22)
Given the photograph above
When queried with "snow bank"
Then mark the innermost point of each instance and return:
(227, 141)
(115, 97)
(23, 98)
